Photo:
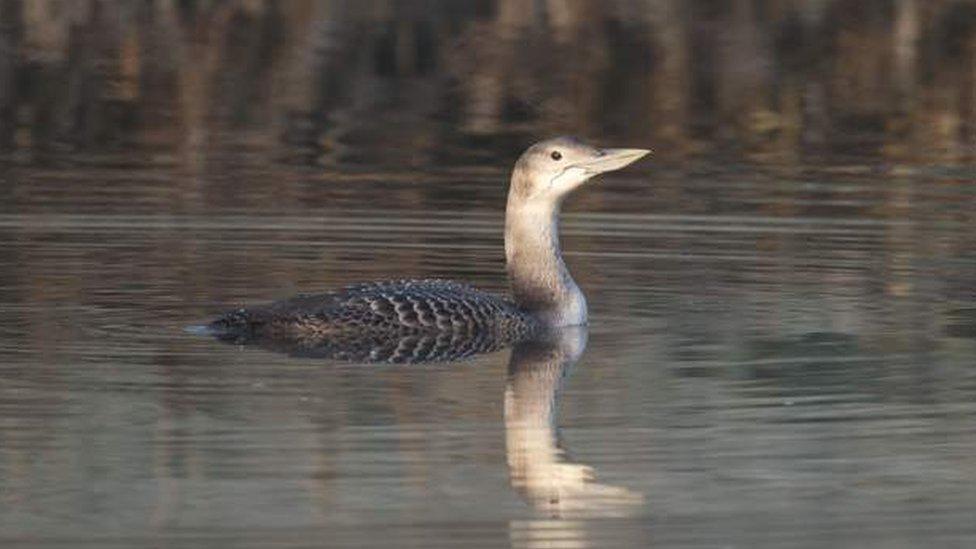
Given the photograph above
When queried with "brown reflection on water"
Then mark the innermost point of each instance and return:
(405, 83)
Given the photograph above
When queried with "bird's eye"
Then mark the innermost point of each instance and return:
(556, 155)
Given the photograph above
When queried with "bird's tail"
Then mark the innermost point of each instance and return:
(235, 326)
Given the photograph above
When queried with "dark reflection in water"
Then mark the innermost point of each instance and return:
(372, 347)
(538, 466)
(782, 332)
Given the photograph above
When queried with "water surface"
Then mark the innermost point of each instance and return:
(776, 356)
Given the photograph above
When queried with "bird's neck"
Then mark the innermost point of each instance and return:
(541, 283)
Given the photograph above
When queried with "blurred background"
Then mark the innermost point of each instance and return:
(783, 298)
(418, 81)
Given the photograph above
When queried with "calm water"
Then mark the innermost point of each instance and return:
(782, 349)
(777, 356)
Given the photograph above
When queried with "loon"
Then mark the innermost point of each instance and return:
(437, 314)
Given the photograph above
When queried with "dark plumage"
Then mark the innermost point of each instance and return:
(431, 311)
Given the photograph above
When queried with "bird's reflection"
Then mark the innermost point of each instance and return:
(538, 466)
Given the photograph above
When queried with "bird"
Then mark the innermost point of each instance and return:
(432, 314)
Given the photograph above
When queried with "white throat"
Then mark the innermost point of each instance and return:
(541, 283)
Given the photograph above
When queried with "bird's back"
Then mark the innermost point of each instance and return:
(380, 309)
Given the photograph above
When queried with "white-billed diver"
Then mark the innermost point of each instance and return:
(544, 294)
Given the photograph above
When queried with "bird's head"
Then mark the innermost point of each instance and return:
(551, 169)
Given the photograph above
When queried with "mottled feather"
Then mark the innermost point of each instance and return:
(393, 321)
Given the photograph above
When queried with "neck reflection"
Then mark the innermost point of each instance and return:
(538, 467)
